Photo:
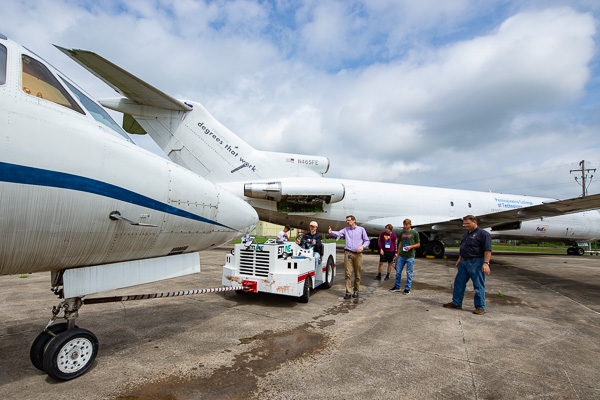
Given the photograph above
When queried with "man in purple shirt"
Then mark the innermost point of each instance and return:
(356, 241)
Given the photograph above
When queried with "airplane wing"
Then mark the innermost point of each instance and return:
(510, 219)
(123, 82)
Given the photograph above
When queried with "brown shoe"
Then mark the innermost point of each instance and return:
(452, 305)
(479, 311)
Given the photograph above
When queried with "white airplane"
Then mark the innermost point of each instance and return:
(290, 188)
(80, 199)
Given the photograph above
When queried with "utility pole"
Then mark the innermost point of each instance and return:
(583, 176)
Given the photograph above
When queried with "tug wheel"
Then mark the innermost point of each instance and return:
(306, 293)
(328, 274)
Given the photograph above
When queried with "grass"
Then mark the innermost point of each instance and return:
(525, 249)
(531, 249)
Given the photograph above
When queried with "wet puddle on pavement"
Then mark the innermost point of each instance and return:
(239, 380)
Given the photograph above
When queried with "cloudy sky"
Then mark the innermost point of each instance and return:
(500, 95)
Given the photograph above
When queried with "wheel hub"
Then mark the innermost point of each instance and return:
(74, 355)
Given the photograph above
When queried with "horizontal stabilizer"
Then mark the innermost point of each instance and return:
(123, 82)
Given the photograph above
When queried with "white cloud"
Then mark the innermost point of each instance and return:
(466, 95)
(329, 32)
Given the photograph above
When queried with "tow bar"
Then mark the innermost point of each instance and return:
(247, 286)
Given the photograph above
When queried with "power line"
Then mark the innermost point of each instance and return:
(500, 176)
(583, 171)
(531, 187)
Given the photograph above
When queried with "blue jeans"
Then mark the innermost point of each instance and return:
(317, 257)
(470, 269)
(409, 262)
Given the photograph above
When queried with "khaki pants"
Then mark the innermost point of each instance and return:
(352, 261)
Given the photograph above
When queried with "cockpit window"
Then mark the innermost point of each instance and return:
(97, 112)
(2, 65)
(37, 80)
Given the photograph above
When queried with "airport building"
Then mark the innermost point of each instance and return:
(267, 229)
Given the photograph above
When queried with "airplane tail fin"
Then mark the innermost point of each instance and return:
(188, 133)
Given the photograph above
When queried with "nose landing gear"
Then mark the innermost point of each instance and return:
(63, 350)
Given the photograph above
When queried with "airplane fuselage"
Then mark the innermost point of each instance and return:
(375, 204)
(62, 173)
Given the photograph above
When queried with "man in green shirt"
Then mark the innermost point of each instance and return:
(408, 241)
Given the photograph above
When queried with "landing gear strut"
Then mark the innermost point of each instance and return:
(63, 350)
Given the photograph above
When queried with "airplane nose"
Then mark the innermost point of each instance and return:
(236, 213)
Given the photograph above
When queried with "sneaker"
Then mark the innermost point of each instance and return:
(378, 277)
(355, 294)
(387, 276)
(406, 291)
(394, 289)
(398, 290)
(479, 311)
(347, 296)
(452, 305)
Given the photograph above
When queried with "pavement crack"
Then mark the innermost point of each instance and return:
(571, 384)
(462, 333)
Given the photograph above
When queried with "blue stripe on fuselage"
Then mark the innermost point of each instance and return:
(42, 177)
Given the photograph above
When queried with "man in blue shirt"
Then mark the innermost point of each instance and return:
(473, 263)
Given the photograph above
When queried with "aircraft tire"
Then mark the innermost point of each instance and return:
(435, 248)
(374, 245)
(306, 293)
(70, 354)
(328, 274)
(36, 353)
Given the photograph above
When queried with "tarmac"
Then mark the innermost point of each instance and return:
(540, 337)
